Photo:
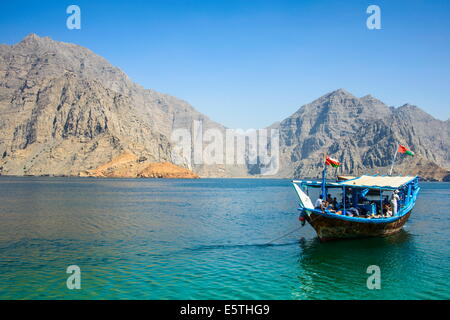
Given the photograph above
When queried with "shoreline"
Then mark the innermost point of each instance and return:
(166, 178)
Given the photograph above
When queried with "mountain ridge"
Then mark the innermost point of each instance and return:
(362, 132)
(55, 96)
(66, 110)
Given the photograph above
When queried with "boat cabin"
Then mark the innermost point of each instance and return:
(366, 196)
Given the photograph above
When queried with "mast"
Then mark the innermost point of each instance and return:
(336, 171)
(392, 166)
(324, 174)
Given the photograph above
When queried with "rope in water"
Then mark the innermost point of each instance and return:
(284, 235)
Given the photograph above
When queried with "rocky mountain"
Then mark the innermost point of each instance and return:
(66, 111)
(363, 133)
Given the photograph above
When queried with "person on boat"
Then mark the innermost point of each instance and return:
(388, 212)
(336, 210)
(326, 206)
(386, 209)
(319, 202)
(352, 212)
(394, 202)
(329, 206)
(329, 199)
(339, 212)
(335, 203)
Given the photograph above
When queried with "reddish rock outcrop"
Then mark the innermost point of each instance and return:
(128, 165)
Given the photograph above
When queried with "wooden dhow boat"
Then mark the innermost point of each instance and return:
(360, 212)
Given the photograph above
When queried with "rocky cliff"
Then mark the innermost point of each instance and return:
(128, 165)
(362, 133)
(66, 111)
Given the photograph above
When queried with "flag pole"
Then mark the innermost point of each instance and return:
(393, 161)
(324, 174)
(335, 171)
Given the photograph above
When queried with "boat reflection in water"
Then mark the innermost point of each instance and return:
(338, 269)
(364, 209)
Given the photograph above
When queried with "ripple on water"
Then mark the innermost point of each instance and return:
(204, 239)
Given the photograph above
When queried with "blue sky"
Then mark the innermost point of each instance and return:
(247, 64)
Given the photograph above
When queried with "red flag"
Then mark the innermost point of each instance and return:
(403, 149)
(332, 162)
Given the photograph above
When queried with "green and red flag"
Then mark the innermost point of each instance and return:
(405, 150)
(332, 162)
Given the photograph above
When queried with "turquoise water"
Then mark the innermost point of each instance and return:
(204, 239)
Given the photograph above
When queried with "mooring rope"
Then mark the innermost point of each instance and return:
(284, 235)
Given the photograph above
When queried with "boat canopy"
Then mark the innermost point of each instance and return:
(385, 182)
(346, 177)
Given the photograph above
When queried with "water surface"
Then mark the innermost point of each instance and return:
(204, 239)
